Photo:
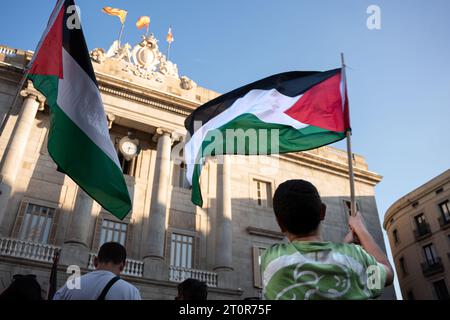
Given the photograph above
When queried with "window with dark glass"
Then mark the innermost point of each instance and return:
(445, 210)
(441, 290)
(403, 266)
(182, 177)
(128, 166)
(420, 220)
(421, 225)
(348, 207)
(263, 193)
(430, 254)
(395, 235)
(258, 252)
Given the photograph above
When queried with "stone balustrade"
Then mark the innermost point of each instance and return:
(27, 250)
(179, 274)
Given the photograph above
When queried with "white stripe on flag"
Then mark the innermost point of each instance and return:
(268, 105)
(80, 99)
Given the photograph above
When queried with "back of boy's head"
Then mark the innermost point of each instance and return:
(192, 289)
(298, 207)
(112, 252)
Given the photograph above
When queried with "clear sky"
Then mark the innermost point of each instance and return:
(399, 77)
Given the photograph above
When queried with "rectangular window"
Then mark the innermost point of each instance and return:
(445, 210)
(182, 177)
(263, 193)
(113, 232)
(403, 266)
(258, 252)
(37, 223)
(420, 220)
(440, 288)
(181, 251)
(430, 254)
(128, 166)
(395, 235)
(348, 207)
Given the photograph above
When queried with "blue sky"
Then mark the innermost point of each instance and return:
(399, 77)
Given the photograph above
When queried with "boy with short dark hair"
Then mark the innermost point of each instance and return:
(104, 283)
(308, 268)
(192, 289)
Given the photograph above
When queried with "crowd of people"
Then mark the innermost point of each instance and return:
(304, 267)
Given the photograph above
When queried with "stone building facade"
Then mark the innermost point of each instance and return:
(418, 227)
(167, 238)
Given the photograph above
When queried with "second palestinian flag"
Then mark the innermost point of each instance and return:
(79, 140)
(307, 109)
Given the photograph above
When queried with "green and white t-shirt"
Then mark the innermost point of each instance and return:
(321, 270)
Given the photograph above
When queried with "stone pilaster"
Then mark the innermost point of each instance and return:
(13, 156)
(224, 229)
(155, 266)
(75, 250)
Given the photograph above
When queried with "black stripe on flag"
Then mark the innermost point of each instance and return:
(74, 42)
(290, 84)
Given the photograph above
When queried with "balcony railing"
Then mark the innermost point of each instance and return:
(430, 268)
(178, 274)
(27, 250)
(444, 222)
(423, 231)
(133, 268)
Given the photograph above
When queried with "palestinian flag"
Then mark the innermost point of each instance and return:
(79, 140)
(299, 110)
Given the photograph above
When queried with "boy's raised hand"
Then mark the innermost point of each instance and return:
(357, 225)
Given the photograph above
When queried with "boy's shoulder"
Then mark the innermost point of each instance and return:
(283, 249)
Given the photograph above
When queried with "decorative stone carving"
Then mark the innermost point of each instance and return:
(98, 55)
(146, 54)
(111, 118)
(187, 84)
(144, 60)
(121, 53)
(167, 67)
(29, 90)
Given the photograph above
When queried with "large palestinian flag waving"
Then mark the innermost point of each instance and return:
(79, 140)
(307, 110)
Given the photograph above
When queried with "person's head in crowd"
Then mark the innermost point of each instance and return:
(192, 289)
(112, 256)
(23, 288)
(298, 208)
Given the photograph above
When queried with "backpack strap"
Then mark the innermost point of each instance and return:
(108, 286)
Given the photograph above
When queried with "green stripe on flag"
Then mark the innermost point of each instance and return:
(80, 158)
(290, 140)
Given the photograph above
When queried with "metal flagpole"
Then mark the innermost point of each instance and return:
(19, 89)
(168, 51)
(349, 150)
(120, 35)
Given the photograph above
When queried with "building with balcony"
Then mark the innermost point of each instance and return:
(419, 234)
(167, 238)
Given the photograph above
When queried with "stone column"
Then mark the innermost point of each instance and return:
(224, 229)
(13, 156)
(154, 262)
(75, 250)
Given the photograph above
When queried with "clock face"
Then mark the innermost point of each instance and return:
(129, 148)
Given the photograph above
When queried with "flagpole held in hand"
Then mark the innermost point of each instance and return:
(349, 150)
